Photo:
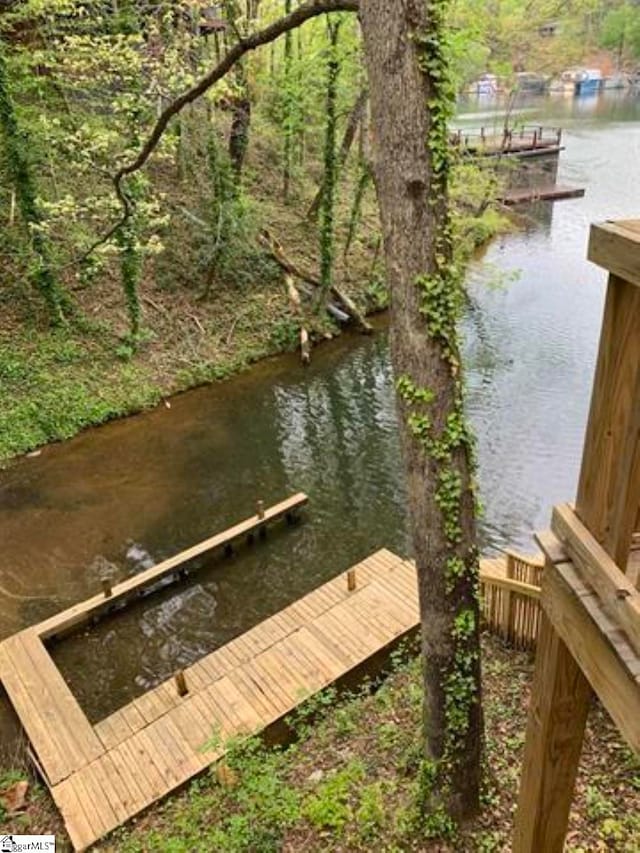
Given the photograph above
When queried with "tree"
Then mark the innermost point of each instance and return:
(407, 57)
(411, 97)
(621, 31)
(15, 149)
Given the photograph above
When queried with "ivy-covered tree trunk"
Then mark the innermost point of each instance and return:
(15, 145)
(240, 125)
(288, 107)
(330, 165)
(411, 99)
(353, 123)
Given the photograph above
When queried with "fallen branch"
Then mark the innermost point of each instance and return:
(296, 306)
(275, 250)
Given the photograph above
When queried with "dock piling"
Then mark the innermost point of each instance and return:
(181, 683)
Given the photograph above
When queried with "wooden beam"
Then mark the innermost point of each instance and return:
(618, 595)
(609, 486)
(510, 584)
(607, 504)
(557, 717)
(94, 607)
(603, 652)
(616, 247)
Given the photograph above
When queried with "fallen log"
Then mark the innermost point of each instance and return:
(274, 247)
(296, 305)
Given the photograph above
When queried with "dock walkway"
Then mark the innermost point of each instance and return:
(102, 775)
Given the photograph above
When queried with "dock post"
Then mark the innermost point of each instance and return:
(351, 580)
(260, 509)
(106, 587)
(181, 683)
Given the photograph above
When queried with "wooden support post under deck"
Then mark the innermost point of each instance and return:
(607, 504)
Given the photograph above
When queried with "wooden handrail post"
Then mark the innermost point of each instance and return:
(508, 601)
(607, 504)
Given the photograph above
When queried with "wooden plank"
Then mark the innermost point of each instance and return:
(557, 718)
(102, 816)
(609, 485)
(549, 192)
(113, 729)
(618, 595)
(77, 823)
(261, 700)
(128, 778)
(35, 720)
(616, 247)
(259, 671)
(114, 792)
(591, 638)
(141, 773)
(490, 577)
(64, 723)
(97, 605)
(331, 665)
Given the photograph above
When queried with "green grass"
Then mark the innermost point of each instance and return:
(53, 384)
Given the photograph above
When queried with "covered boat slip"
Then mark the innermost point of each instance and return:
(100, 775)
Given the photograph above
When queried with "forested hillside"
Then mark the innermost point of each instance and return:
(254, 214)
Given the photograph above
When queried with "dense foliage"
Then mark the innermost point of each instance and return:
(82, 82)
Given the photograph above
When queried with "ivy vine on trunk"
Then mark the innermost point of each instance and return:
(327, 248)
(411, 100)
(15, 144)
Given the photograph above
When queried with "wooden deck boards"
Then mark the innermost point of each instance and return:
(102, 775)
(550, 192)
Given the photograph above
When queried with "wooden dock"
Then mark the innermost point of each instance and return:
(101, 775)
(550, 192)
(525, 141)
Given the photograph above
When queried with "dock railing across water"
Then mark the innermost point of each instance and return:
(493, 140)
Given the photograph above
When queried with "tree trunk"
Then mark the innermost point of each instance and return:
(353, 122)
(407, 71)
(14, 148)
(288, 108)
(239, 133)
(327, 235)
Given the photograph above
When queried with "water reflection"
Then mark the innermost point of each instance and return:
(143, 488)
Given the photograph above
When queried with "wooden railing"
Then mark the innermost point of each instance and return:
(510, 598)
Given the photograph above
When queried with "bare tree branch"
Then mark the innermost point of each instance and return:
(304, 12)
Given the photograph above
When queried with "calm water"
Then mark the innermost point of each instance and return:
(141, 489)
